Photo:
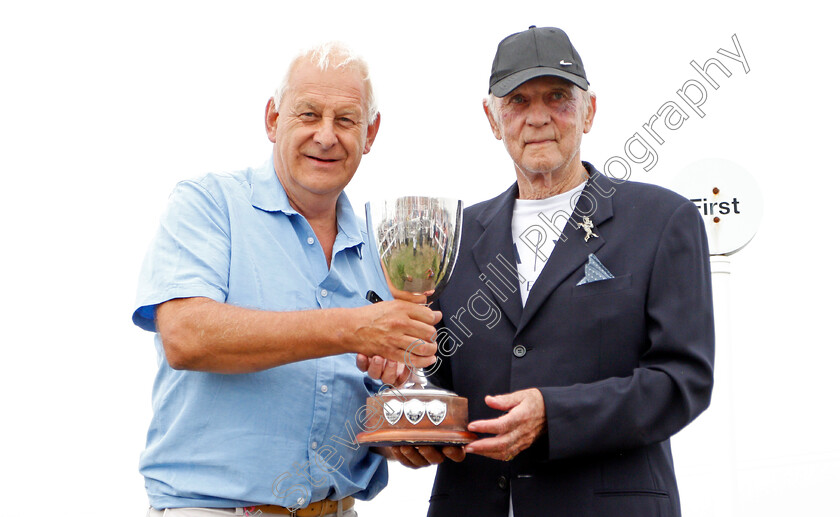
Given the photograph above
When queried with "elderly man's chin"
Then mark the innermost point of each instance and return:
(540, 165)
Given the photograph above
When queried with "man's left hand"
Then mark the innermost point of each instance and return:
(392, 373)
(516, 430)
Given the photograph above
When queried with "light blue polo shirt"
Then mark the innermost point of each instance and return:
(281, 436)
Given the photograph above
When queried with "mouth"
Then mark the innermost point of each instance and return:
(321, 160)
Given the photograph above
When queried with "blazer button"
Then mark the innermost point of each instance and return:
(519, 351)
(502, 483)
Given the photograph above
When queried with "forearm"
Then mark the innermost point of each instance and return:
(202, 334)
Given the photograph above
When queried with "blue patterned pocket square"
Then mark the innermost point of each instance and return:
(595, 271)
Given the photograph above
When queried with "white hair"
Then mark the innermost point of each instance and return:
(492, 102)
(332, 55)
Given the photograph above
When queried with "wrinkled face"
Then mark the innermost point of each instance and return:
(320, 131)
(541, 124)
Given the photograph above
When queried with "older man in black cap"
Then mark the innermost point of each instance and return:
(579, 316)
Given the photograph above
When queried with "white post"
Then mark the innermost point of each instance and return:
(722, 410)
(704, 452)
(730, 203)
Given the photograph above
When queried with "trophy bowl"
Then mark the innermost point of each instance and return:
(417, 239)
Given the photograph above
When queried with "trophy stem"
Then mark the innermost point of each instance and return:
(418, 380)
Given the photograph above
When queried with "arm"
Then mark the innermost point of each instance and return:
(184, 285)
(206, 335)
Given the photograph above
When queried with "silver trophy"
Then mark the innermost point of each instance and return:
(417, 240)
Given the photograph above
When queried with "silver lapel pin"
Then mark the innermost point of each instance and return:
(587, 227)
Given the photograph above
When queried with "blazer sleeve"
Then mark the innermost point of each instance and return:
(672, 383)
(440, 373)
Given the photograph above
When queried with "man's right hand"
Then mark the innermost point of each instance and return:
(397, 330)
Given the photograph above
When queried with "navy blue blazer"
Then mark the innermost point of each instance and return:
(623, 364)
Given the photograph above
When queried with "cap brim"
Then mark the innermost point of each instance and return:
(511, 82)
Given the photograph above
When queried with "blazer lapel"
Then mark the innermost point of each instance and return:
(494, 256)
(570, 254)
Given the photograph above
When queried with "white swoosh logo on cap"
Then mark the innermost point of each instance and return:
(564, 63)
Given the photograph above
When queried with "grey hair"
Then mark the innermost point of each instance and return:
(334, 55)
(492, 102)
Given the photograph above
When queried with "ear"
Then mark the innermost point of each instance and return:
(493, 124)
(271, 120)
(590, 115)
(372, 130)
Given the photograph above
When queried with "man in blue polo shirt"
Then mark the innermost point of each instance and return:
(255, 288)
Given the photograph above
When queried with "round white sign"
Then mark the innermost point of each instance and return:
(728, 198)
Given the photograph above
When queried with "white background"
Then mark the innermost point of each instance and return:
(104, 106)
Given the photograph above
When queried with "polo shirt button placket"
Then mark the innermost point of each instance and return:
(322, 297)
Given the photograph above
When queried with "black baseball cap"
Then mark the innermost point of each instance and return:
(533, 53)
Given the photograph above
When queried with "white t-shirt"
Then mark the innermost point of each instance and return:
(536, 227)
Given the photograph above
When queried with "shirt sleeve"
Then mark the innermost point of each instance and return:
(188, 257)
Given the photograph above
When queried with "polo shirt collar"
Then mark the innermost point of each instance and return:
(268, 194)
(348, 222)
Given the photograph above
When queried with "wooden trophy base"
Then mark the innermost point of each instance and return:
(416, 417)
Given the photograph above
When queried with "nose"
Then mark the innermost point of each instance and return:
(325, 135)
(538, 114)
